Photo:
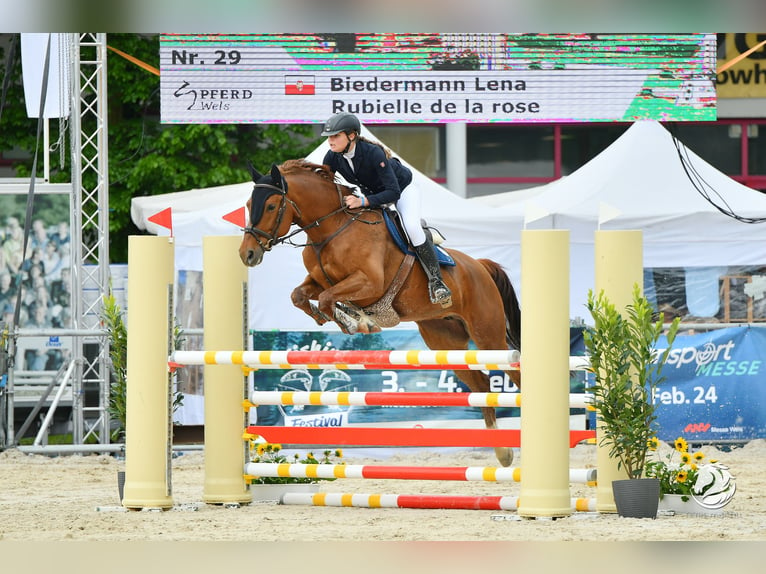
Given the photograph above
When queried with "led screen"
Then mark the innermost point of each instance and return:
(437, 77)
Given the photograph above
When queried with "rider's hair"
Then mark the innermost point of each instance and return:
(387, 151)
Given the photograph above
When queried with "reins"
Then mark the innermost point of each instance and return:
(271, 238)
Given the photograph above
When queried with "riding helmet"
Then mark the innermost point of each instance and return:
(342, 122)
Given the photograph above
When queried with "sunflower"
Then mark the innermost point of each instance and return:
(681, 444)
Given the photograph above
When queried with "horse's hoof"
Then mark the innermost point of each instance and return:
(504, 455)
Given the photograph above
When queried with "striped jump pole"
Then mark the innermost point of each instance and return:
(383, 399)
(465, 473)
(486, 360)
(364, 360)
(430, 501)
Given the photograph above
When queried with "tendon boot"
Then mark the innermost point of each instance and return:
(437, 289)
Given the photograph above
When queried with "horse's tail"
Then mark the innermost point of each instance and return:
(510, 302)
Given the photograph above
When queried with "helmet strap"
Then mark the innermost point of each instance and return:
(348, 145)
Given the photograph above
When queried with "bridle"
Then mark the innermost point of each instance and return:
(271, 238)
(266, 240)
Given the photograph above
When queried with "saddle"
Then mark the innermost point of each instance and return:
(399, 235)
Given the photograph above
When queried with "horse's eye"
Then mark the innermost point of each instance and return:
(271, 207)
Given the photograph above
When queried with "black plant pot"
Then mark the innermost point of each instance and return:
(637, 497)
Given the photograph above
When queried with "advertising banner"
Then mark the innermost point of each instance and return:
(392, 381)
(746, 78)
(715, 387)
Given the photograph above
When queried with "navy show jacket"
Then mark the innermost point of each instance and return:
(381, 179)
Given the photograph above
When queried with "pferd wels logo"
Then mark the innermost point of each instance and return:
(202, 99)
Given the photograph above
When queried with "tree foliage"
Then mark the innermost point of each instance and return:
(145, 156)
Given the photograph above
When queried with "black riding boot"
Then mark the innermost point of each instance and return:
(437, 289)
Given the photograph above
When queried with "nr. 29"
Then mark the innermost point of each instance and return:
(227, 58)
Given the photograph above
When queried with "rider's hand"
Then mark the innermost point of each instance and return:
(355, 202)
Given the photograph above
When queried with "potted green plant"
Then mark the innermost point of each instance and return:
(116, 331)
(626, 371)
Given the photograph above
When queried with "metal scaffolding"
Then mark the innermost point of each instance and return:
(90, 232)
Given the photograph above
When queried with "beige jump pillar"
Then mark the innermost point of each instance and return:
(224, 291)
(545, 374)
(151, 269)
(619, 265)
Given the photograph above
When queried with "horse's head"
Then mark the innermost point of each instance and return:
(266, 220)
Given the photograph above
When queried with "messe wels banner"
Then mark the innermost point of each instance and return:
(715, 388)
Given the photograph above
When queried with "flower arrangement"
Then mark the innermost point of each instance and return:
(272, 453)
(691, 474)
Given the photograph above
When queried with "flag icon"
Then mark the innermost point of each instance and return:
(299, 85)
(164, 219)
(238, 217)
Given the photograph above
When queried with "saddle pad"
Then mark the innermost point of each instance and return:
(393, 228)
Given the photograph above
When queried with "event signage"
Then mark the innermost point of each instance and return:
(713, 389)
(387, 381)
(746, 78)
(437, 77)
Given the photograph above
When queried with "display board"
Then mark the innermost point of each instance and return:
(437, 77)
(386, 381)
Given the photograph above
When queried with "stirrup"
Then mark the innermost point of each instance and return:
(440, 294)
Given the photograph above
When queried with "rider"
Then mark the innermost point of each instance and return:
(382, 180)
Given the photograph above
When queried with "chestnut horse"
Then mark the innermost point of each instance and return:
(364, 282)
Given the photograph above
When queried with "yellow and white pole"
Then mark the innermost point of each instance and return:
(151, 269)
(619, 265)
(224, 291)
(545, 374)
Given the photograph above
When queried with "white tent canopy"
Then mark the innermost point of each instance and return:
(477, 230)
(648, 180)
(651, 181)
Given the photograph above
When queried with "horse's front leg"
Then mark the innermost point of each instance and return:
(302, 296)
(358, 286)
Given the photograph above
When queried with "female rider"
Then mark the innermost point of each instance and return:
(382, 180)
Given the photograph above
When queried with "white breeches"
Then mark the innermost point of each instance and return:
(408, 207)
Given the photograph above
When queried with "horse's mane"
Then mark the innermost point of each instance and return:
(298, 165)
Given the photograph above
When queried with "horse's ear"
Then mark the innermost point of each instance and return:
(254, 173)
(276, 176)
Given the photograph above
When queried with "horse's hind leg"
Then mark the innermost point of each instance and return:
(449, 334)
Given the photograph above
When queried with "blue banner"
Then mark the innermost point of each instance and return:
(371, 381)
(714, 388)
